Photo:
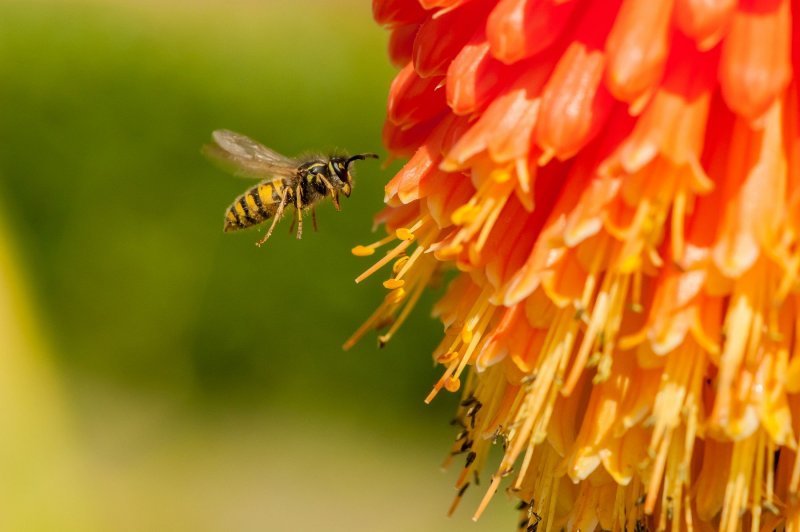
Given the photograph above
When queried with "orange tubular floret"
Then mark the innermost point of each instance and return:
(705, 21)
(506, 126)
(575, 104)
(441, 38)
(518, 29)
(637, 48)
(755, 66)
(401, 44)
(413, 99)
(673, 124)
(403, 142)
(442, 5)
(473, 76)
(397, 12)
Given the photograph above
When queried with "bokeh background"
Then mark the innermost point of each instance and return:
(156, 374)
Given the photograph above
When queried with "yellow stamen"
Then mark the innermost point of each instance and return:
(365, 251)
(487, 496)
(457, 499)
(678, 220)
(446, 358)
(440, 383)
(466, 214)
(420, 282)
(376, 317)
(385, 260)
(406, 236)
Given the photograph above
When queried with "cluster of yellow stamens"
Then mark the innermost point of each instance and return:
(411, 274)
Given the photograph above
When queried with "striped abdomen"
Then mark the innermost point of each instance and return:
(256, 205)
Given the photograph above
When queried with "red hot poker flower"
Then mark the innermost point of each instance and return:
(617, 185)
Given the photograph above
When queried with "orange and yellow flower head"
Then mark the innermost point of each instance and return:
(616, 185)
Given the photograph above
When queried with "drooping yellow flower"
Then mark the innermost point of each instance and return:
(618, 185)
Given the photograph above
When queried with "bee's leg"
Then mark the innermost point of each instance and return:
(278, 215)
(334, 193)
(294, 222)
(314, 217)
(298, 203)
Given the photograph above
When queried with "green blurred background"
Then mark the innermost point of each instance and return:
(157, 374)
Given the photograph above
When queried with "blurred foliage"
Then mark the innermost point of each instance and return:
(120, 217)
(39, 459)
(167, 333)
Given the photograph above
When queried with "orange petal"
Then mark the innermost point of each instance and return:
(401, 43)
(396, 217)
(637, 48)
(710, 483)
(441, 38)
(515, 232)
(442, 206)
(624, 454)
(671, 317)
(474, 77)
(511, 231)
(517, 29)
(506, 126)
(704, 21)
(407, 182)
(404, 142)
(408, 179)
(413, 99)
(586, 219)
(575, 103)
(397, 12)
(755, 66)
(674, 122)
(442, 4)
(753, 188)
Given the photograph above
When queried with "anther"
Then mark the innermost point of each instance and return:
(362, 251)
(404, 234)
(393, 284)
(452, 384)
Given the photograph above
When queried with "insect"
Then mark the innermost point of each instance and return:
(301, 183)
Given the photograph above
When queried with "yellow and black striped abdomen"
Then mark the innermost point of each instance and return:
(254, 206)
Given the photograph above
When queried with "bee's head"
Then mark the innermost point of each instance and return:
(341, 178)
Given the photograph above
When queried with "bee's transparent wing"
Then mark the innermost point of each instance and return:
(245, 157)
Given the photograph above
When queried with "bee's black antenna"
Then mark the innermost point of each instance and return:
(359, 157)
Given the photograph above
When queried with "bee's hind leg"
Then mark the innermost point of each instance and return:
(294, 222)
(278, 215)
(298, 203)
(314, 218)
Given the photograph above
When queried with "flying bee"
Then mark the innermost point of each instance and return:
(301, 183)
